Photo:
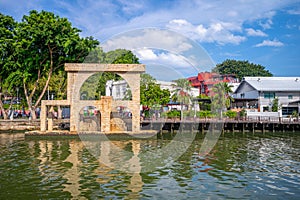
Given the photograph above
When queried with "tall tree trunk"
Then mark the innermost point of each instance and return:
(48, 80)
(4, 114)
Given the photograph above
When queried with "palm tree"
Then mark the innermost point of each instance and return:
(228, 91)
(182, 87)
(221, 98)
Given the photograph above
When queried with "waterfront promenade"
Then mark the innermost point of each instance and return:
(172, 125)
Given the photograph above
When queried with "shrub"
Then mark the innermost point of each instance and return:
(231, 114)
(189, 113)
(164, 114)
(204, 114)
(243, 113)
(295, 113)
(173, 113)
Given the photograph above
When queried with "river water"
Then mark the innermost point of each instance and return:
(239, 166)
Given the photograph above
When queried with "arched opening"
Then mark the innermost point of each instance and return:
(105, 84)
(89, 119)
(121, 119)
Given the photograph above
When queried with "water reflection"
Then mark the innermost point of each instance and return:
(240, 166)
(67, 162)
(8, 139)
(108, 155)
(73, 174)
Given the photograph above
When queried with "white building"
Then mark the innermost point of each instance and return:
(194, 92)
(117, 89)
(258, 94)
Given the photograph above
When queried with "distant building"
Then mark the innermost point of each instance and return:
(194, 92)
(257, 94)
(116, 89)
(204, 81)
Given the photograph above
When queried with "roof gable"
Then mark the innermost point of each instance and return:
(245, 87)
(274, 83)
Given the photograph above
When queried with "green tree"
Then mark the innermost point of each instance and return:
(218, 103)
(96, 55)
(121, 56)
(221, 98)
(275, 105)
(231, 114)
(228, 91)
(95, 86)
(182, 87)
(204, 102)
(7, 26)
(241, 69)
(118, 56)
(151, 93)
(42, 43)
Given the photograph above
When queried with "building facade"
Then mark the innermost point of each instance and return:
(204, 81)
(116, 89)
(258, 94)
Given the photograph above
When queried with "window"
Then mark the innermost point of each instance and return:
(118, 91)
(288, 110)
(290, 96)
(269, 95)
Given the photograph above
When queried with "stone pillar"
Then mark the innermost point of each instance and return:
(71, 96)
(136, 118)
(59, 112)
(105, 109)
(133, 79)
(43, 116)
(50, 124)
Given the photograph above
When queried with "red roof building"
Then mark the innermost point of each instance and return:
(206, 80)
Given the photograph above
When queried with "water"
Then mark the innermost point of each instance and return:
(240, 166)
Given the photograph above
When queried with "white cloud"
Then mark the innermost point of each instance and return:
(132, 7)
(267, 24)
(230, 54)
(146, 54)
(105, 18)
(162, 40)
(220, 32)
(165, 65)
(206, 21)
(165, 58)
(253, 32)
(150, 38)
(294, 11)
(270, 43)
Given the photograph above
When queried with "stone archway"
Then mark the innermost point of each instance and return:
(78, 74)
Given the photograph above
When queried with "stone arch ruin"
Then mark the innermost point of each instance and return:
(77, 75)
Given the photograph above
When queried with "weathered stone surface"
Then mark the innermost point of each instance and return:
(77, 75)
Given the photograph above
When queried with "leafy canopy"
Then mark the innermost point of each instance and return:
(182, 87)
(42, 42)
(151, 93)
(94, 86)
(241, 69)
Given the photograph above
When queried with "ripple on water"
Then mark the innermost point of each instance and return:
(239, 167)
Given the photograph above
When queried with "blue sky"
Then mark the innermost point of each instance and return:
(265, 32)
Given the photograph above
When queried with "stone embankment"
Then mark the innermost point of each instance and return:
(23, 124)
